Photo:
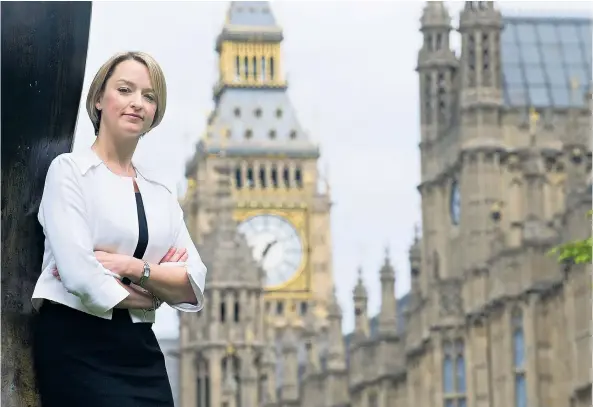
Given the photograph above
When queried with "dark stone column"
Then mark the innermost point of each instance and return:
(44, 49)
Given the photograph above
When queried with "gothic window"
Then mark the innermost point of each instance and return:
(454, 381)
(428, 41)
(237, 112)
(250, 178)
(239, 177)
(222, 311)
(427, 98)
(263, 69)
(293, 134)
(272, 68)
(304, 307)
(279, 308)
(279, 113)
(237, 68)
(262, 176)
(442, 97)
(298, 177)
(439, 42)
(286, 177)
(274, 176)
(231, 368)
(254, 61)
(257, 112)
(246, 67)
(248, 133)
(202, 382)
(272, 134)
(486, 74)
(519, 359)
(237, 311)
(471, 60)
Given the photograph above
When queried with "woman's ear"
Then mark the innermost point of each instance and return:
(98, 105)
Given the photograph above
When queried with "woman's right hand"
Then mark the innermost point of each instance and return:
(172, 256)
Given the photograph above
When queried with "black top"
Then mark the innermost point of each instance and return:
(142, 233)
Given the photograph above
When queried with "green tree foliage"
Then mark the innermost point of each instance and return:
(577, 251)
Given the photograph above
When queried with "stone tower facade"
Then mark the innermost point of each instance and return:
(491, 320)
(255, 209)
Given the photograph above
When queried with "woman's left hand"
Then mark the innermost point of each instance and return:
(119, 264)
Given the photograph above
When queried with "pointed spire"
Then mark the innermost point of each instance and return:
(360, 291)
(387, 272)
(249, 21)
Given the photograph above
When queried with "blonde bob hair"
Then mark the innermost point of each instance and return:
(157, 79)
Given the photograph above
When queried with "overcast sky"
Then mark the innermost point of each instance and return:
(352, 81)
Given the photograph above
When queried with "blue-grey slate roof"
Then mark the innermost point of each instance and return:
(540, 58)
(251, 13)
(255, 112)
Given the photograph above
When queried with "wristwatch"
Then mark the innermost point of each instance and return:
(145, 274)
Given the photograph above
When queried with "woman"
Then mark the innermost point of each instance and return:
(108, 224)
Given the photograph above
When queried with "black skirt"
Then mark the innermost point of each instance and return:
(86, 361)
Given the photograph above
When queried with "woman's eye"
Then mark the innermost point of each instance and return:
(150, 97)
(124, 90)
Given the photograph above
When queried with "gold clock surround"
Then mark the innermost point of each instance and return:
(297, 286)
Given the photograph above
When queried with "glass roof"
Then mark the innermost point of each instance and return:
(541, 57)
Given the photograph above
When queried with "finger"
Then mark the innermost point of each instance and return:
(177, 256)
(174, 255)
(168, 255)
(184, 257)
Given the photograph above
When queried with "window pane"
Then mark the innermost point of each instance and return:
(578, 74)
(568, 34)
(462, 403)
(510, 53)
(552, 55)
(449, 403)
(513, 74)
(460, 370)
(526, 33)
(448, 375)
(557, 76)
(560, 96)
(518, 348)
(538, 96)
(531, 54)
(520, 391)
(547, 33)
(573, 55)
(535, 75)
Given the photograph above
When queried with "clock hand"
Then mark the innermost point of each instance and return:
(267, 249)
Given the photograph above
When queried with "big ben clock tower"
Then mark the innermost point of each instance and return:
(253, 129)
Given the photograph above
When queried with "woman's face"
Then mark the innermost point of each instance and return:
(128, 103)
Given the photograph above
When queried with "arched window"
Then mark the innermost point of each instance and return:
(263, 69)
(272, 68)
(274, 176)
(298, 177)
(231, 369)
(286, 177)
(246, 67)
(262, 176)
(254, 61)
(237, 68)
(519, 358)
(459, 367)
(250, 178)
(237, 311)
(222, 311)
(454, 382)
(239, 177)
(202, 382)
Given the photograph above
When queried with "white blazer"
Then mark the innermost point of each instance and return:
(86, 207)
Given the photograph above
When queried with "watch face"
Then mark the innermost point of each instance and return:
(455, 203)
(276, 246)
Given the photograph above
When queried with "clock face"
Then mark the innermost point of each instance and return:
(276, 246)
(455, 203)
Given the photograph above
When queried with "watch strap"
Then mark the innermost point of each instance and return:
(145, 274)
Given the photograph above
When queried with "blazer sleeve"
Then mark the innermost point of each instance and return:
(65, 221)
(196, 270)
